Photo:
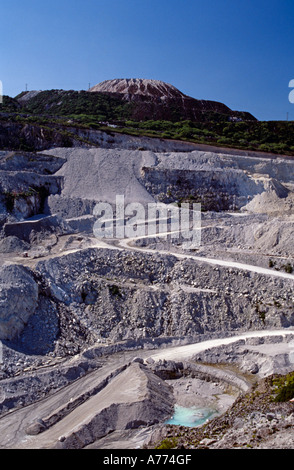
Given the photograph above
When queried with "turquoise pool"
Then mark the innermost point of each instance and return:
(192, 416)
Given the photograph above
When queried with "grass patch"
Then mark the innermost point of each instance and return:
(115, 290)
(168, 443)
(284, 388)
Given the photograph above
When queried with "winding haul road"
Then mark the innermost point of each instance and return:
(13, 425)
(128, 244)
(125, 244)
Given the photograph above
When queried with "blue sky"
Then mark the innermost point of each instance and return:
(239, 52)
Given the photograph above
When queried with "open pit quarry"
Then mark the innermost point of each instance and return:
(102, 336)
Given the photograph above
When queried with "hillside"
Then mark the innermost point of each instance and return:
(122, 99)
(154, 99)
(36, 120)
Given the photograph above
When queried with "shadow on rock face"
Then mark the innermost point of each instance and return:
(40, 333)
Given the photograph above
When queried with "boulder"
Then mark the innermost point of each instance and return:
(18, 299)
(36, 427)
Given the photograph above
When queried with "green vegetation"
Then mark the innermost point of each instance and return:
(269, 136)
(79, 104)
(284, 388)
(114, 290)
(11, 196)
(288, 268)
(261, 313)
(9, 105)
(168, 443)
(61, 111)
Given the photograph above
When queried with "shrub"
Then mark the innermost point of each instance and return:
(168, 443)
(288, 268)
(114, 290)
(285, 388)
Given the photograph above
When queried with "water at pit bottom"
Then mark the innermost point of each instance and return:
(192, 416)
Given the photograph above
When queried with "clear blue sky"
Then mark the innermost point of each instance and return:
(239, 52)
